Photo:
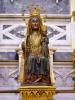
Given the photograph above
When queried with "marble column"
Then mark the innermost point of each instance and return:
(72, 2)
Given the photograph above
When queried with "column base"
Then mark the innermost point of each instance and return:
(37, 92)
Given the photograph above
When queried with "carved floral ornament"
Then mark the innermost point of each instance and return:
(38, 93)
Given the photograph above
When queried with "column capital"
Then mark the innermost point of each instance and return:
(73, 15)
(73, 56)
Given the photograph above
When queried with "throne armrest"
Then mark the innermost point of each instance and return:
(51, 51)
(20, 64)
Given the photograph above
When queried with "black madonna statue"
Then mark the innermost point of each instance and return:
(36, 70)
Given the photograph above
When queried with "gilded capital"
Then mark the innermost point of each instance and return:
(73, 15)
(73, 56)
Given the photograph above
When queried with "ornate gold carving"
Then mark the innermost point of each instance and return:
(34, 12)
(37, 92)
(73, 15)
(73, 56)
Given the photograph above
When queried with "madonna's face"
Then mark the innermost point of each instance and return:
(35, 23)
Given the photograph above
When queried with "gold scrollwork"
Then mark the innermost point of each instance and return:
(37, 92)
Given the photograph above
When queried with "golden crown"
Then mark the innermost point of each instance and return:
(34, 12)
(44, 28)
